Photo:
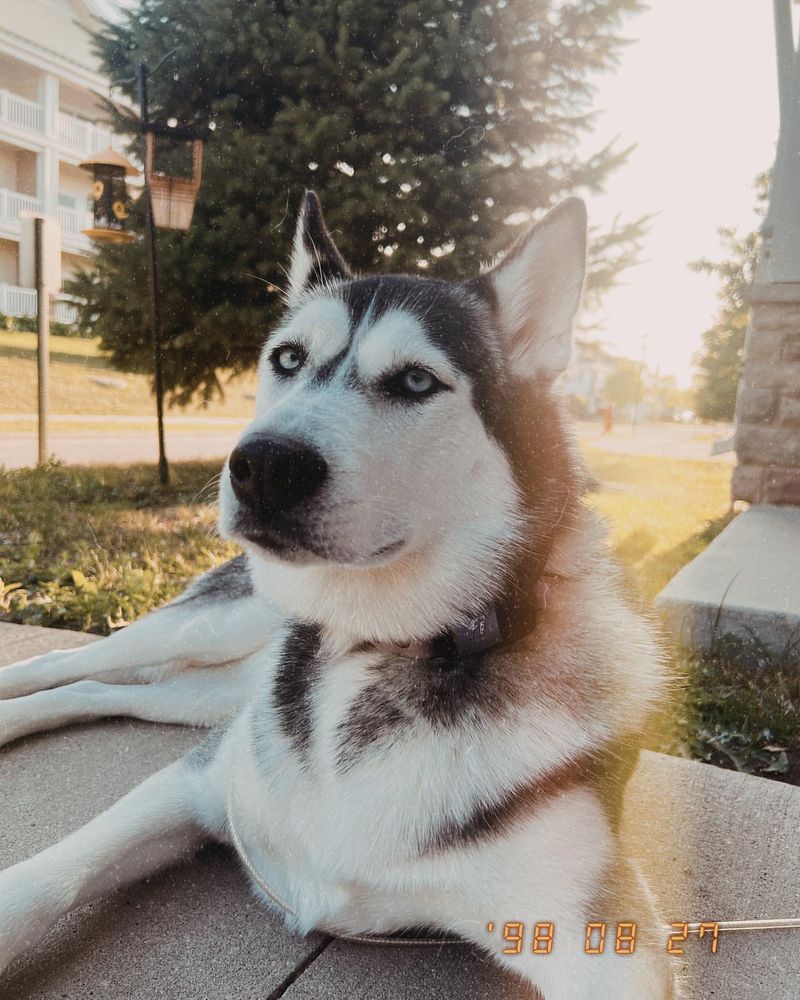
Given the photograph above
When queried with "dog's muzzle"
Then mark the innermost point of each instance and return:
(273, 476)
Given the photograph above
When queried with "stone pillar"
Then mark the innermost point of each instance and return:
(768, 401)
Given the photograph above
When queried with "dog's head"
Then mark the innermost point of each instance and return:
(406, 446)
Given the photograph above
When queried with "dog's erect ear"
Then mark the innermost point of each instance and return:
(315, 257)
(537, 289)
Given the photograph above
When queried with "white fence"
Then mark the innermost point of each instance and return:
(16, 301)
(21, 113)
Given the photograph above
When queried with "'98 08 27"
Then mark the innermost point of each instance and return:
(600, 936)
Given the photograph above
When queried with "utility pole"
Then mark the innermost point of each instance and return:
(43, 333)
(635, 414)
(152, 275)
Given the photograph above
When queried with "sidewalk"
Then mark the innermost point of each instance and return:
(105, 439)
(100, 447)
(660, 440)
(716, 845)
(172, 419)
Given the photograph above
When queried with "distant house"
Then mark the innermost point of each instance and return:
(50, 119)
(585, 378)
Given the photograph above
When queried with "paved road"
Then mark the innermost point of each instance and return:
(95, 448)
(170, 419)
(216, 438)
(662, 440)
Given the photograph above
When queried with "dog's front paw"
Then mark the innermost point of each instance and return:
(34, 674)
(15, 719)
(27, 912)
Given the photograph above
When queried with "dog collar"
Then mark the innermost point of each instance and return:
(499, 625)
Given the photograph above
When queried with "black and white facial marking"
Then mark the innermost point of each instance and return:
(406, 444)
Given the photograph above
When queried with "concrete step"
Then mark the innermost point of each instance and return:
(746, 581)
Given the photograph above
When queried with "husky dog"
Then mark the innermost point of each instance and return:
(425, 685)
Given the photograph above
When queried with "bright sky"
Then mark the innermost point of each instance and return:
(697, 91)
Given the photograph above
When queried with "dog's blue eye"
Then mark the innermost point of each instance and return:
(413, 383)
(288, 360)
(418, 380)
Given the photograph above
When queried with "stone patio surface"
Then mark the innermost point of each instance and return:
(716, 846)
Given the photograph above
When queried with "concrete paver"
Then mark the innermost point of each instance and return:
(366, 972)
(194, 932)
(718, 845)
(715, 845)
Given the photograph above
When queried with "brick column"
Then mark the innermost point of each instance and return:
(768, 402)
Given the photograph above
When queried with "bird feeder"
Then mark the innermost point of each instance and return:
(110, 200)
(173, 197)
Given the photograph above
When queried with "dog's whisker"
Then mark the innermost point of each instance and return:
(214, 481)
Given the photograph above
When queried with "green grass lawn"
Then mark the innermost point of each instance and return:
(131, 544)
(661, 513)
(74, 363)
(95, 548)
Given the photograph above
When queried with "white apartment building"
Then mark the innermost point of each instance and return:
(586, 375)
(50, 119)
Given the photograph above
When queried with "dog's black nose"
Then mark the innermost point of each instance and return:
(274, 474)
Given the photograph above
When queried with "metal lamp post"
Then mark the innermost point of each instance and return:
(161, 192)
(169, 203)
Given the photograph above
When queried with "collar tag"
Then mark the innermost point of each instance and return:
(478, 635)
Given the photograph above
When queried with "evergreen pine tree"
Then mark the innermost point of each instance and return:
(426, 126)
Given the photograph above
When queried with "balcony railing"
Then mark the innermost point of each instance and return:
(12, 203)
(75, 133)
(73, 222)
(65, 311)
(86, 137)
(21, 113)
(16, 301)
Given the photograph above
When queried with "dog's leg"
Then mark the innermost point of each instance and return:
(203, 696)
(153, 826)
(520, 937)
(554, 871)
(188, 633)
(568, 973)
